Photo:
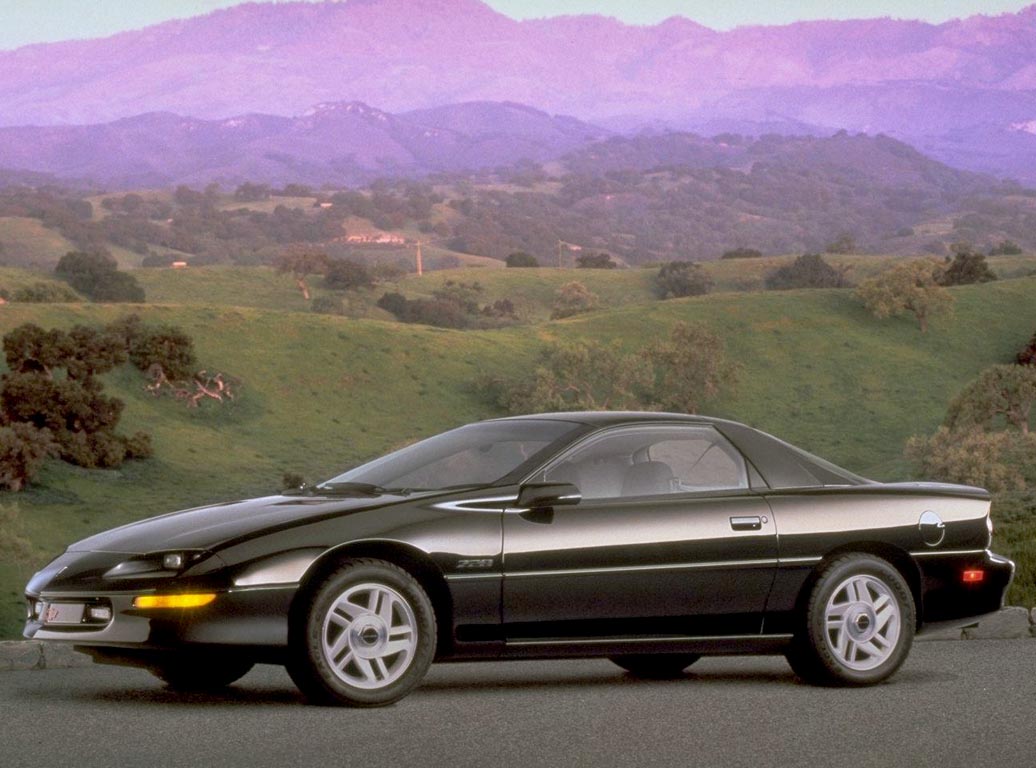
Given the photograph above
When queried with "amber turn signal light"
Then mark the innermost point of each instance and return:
(173, 601)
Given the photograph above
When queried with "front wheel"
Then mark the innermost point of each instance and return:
(656, 666)
(858, 625)
(365, 638)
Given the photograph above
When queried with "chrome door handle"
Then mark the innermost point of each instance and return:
(746, 523)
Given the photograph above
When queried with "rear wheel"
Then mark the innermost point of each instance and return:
(200, 673)
(858, 625)
(366, 637)
(657, 666)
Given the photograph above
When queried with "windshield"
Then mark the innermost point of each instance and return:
(478, 454)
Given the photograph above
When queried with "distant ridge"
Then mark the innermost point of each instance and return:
(337, 143)
(958, 90)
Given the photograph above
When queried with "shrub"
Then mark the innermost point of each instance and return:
(71, 409)
(807, 271)
(581, 375)
(844, 243)
(95, 275)
(1001, 395)
(166, 346)
(291, 481)
(346, 274)
(1027, 355)
(998, 461)
(23, 449)
(689, 369)
(521, 259)
(1006, 248)
(572, 299)
(595, 261)
(910, 287)
(742, 253)
(393, 302)
(328, 305)
(45, 293)
(681, 278)
(966, 267)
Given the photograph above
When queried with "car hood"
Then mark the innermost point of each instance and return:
(211, 526)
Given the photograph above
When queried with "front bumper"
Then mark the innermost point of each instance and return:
(255, 617)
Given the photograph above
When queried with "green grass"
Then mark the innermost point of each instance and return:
(27, 243)
(323, 392)
(13, 278)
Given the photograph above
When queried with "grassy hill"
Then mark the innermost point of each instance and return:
(323, 392)
(531, 290)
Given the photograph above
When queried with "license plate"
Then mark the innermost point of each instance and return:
(63, 613)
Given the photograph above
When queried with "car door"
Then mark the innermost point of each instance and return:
(670, 538)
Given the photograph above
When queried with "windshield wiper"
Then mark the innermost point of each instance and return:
(368, 489)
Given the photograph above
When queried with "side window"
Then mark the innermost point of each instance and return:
(647, 461)
(702, 464)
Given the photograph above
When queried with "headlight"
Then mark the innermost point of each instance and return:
(157, 565)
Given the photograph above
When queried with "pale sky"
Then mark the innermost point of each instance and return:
(33, 21)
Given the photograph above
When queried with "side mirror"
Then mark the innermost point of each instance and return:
(541, 495)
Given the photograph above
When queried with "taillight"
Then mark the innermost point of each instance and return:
(973, 576)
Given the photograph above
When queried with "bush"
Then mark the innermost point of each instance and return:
(1006, 248)
(1000, 396)
(742, 253)
(678, 373)
(521, 259)
(807, 271)
(966, 267)
(595, 261)
(844, 243)
(681, 278)
(573, 299)
(998, 461)
(45, 293)
(1027, 355)
(910, 287)
(166, 346)
(581, 375)
(291, 481)
(23, 449)
(71, 409)
(328, 305)
(95, 275)
(346, 274)
(393, 302)
(138, 446)
(689, 369)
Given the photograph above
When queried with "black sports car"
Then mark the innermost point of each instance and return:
(647, 538)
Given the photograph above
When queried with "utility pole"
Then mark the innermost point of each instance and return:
(420, 264)
(567, 246)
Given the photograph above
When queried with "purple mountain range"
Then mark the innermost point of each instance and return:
(334, 143)
(964, 91)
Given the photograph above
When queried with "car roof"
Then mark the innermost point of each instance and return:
(781, 464)
(608, 418)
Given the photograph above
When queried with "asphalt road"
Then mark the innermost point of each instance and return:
(969, 703)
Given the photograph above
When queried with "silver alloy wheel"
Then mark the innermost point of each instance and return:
(369, 636)
(862, 622)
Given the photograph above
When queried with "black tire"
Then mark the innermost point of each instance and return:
(656, 666)
(365, 636)
(200, 672)
(872, 624)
